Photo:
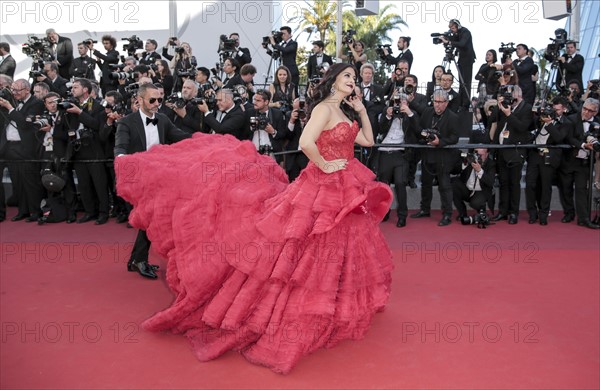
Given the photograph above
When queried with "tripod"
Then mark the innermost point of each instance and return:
(555, 70)
(273, 65)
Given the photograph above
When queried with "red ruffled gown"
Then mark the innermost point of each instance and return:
(270, 269)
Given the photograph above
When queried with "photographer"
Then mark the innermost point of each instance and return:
(446, 83)
(81, 127)
(8, 63)
(266, 125)
(288, 48)
(571, 64)
(315, 67)
(182, 62)
(62, 48)
(438, 127)
(83, 66)
(397, 78)
(188, 118)
(163, 76)
(356, 53)
(295, 162)
(405, 53)
(542, 163)
(463, 41)
(489, 75)
(574, 98)
(40, 90)
(525, 68)
(282, 89)
(575, 165)
(475, 183)
(149, 56)
(514, 119)
(51, 77)
(104, 61)
(228, 119)
(19, 141)
(435, 83)
(232, 77)
(247, 73)
(398, 125)
(241, 54)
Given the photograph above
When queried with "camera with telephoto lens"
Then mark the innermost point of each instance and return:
(381, 53)
(35, 74)
(507, 48)
(38, 48)
(482, 220)
(506, 92)
(191, 73)
(471, 158)
(67, 103)
(132, 88)
(552, 52)
(449, 35)
(6, 94)
(122, 75)
(277, 37)
(592, 136)
(179, 50)
(428, 135)
(226, 44)
(301, 108)
(40, 121)
(119, 108)
(133, 43)
(259, 122)
(396, 102)
(89, 42)
(210, 101)
(114, 67)
(176, 99)
(546, 110)
(348, 37)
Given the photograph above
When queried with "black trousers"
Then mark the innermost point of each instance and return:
(2, 195)
(25, 178)
(575, 173)
(294, 163)
(442, 173)
(461, 194)
(466, 70)
(393, 168)
(509, 174)
(141, 247)
(538, 185)
(93, 186)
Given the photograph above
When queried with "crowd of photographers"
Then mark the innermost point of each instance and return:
(63, 115)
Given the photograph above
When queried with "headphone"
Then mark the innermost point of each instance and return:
(455, 21)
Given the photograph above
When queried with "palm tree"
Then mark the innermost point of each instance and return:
(319, 16)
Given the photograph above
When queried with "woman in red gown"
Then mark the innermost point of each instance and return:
(270, 269)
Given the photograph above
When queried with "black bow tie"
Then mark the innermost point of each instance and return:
(154, 121)
(319, 55)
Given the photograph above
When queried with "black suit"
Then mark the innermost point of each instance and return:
(477, 199)
(393, 166)
(149, 59)
(277, 120)
(8, 66)
(242, 56)
(575, 171)
(525, 69)
(510, 161)
(439, 162)
(288, 58)
(64, 56)
(104, 61)
(312, 69)
(236, 79)
(83, 67)
(25, 176)
(466, 58)
(405, 55)
(295, 162)
(232, 123)
(59, 85)
(572, 71)
(192, 121)
(541, 168)
(131, 138)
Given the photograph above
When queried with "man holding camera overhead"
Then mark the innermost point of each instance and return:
(288, 48)
(463, 41)
(105, 60)
(316, 63)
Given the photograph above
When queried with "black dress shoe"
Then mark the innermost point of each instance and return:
(513, 219)
(533, 219)
(19, 217)
(412, 184)
(445, 221)
(86, 218)
(387, 216)
(131, 268)
(421, 214)
(71, 218)
(101, 220)
(500, 217)
(143, 268)
(401, 222)
(122, 218)
(567, 218)
(543, 221)
(32, 218)
(588, 224)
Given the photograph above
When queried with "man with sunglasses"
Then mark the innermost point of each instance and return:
(138, 132)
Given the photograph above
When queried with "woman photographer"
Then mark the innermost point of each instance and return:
(282, 89)
(231, 68)
(487, 75)
(163, 75)
(182, 61)
(357, 57)
(435, 83)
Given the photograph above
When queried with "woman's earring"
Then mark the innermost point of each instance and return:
(332, 90)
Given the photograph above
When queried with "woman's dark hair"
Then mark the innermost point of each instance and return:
(288, 79)
(166, 70)
(234, 63)
(323, 90)
(433, 73)
(494, 54)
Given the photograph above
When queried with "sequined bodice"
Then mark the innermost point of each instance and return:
(338, 142)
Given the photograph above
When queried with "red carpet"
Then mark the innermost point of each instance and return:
(507, 307)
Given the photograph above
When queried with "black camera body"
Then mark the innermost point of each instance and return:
(546, 110)
(593, 136)
(176, 99)
(172, 41)
(428, 135)
(449, 35)
(277, 37)
(482, 220)
(507, 48)
(379, 51)
(89, 42)
(348, 37)
(119, 108)
(259, 122)
(506, 92)
(122, 76)
(210, 101)
(191, 73)
(38, 49)
(553, 49)
(471, 158)
(67, 103)
(179, 50)
(133, 43)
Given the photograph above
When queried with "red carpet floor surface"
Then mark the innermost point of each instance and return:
(508, 307)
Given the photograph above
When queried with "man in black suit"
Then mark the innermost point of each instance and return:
(542, 163)
(149, 56)
(514, 123)
(525, 68)
(62, 47)
(51, 77)
(475, 183)
(83, 66)
(136, 133)
(372, 92)
(274, 132)
(288, 48)
(405, 53)
(105, 60)
(228, 119)
(231, 68)
(574, 168)
(446, 84)
(438, 163)
(463, 41)
(315, 66)
(20, 140)
(399, 125)
(571, 64)
(188, 118)
(7, 63)
(241, 54)
(296, 162)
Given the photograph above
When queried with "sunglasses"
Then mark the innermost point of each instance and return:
(154, 100)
